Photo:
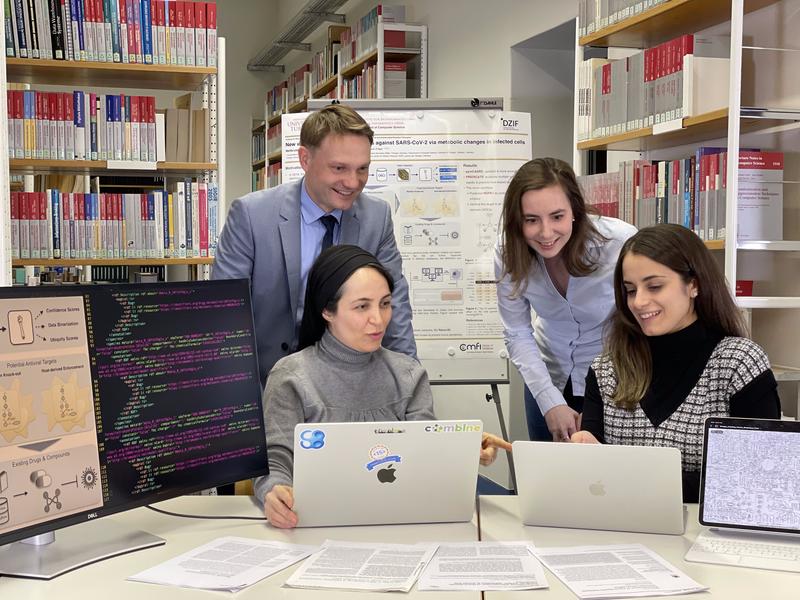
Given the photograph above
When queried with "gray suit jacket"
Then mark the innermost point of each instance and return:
(261, 242)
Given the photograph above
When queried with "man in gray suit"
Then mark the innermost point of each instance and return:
(273, 236)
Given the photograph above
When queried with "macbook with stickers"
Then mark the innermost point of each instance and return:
(600, 486)
(750, 494)
(382, 473)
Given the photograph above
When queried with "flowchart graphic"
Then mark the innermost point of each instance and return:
(49, 460)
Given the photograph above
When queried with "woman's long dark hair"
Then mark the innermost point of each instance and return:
(518, 256)
(680, 250)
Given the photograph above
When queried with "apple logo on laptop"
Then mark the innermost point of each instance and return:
(598, 488)
(386, 475)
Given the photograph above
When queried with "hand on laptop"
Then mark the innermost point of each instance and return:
(583, 437)
(489, 445)
(562, 422)
(278, 507)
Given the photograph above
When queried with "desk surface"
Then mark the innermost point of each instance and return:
(106, 579)
(500, 520)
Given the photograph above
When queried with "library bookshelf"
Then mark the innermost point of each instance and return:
(122, 76)
(762, 112)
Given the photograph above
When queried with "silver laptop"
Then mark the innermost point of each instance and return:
(386, 472)
(600, 486)
(750, 494)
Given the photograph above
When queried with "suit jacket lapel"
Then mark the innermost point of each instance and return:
(289, 229)
(350, 226)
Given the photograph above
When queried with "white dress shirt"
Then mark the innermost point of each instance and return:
(551, 338)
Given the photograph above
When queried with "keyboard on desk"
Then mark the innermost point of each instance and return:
(726, 549)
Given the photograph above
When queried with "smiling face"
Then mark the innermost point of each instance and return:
(363, 311)
(336, 170)
(546, 220)
(659, 298)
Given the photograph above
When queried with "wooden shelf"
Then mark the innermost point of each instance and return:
(30, 166)
(260, 127)
(667, 21)
(354, 68)
(274, 156)
(107, 262)
(701, 127)
(324, 87)
(715, 244)
(299, 106)
(259, 163)
(97, 74)
(274, 120)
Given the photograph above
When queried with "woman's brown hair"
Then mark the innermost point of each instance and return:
(680, 250)
(518, 256)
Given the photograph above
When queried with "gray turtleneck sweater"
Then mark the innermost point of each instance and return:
(332, 383)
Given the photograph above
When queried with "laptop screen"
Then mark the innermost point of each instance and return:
(751, 474)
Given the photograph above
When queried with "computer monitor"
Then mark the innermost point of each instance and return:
(117, 396)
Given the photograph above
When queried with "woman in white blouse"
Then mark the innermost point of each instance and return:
(554, 264)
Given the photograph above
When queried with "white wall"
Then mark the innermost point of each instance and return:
(469, 41)
(247, 26)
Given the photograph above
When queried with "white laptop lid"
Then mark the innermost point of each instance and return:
(600, 486)
(751, 475)
(385, 472)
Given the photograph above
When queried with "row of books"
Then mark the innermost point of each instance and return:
(597, 14)
(81, 125)
(362, 38)
(325, 63)
(692, 192)
(258, 146)
(293, 89)
(182, 223)
(166, 32)
(365, 84)
(654, 86)
(274, 139)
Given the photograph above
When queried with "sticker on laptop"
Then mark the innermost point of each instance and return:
(312, 439)
(380, 455)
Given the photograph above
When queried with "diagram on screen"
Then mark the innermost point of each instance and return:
(424, 203)
(430, 234)
(20, 327)
(16, 411)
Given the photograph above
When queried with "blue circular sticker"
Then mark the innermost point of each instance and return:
(312, 439)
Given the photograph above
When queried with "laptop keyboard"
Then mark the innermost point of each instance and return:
(783, 557)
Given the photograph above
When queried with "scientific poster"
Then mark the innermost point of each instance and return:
(444, 173)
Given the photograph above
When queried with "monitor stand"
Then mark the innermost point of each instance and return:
(41, 557)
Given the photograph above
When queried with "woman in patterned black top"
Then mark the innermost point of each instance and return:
(676, 353)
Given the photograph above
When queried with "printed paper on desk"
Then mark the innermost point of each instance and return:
(225, 564)
(354, 566)
(619, 571)
(483, 566)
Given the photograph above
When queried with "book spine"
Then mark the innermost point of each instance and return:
(56, 29)
(137, 30)
(22, 38)
(188, 22)
(30, 23)
(147, 32)
(123, 31)
(9, 29)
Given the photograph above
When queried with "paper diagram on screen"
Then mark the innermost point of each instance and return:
(49, 460)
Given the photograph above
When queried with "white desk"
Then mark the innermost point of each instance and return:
(106, 579)
(500, 520)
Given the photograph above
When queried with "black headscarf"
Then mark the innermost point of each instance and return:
(332, 268)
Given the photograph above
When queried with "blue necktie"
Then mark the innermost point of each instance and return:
(330, 222)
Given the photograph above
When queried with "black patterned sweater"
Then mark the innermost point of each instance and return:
(696, 374)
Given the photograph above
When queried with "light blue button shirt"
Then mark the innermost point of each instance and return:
(551, 338)
(312, 230)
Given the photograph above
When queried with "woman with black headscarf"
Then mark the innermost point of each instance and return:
(341, 373)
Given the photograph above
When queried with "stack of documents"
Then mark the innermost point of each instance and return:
(225, 564)
(619, 571)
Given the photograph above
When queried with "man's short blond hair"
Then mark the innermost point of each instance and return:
(336, 119)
